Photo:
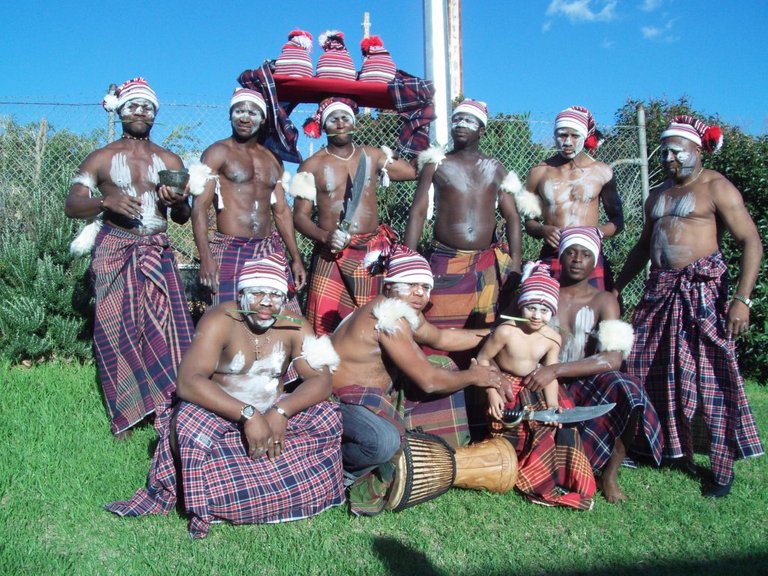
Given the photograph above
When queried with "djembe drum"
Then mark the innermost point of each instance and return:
(425, 470)
(488, 465)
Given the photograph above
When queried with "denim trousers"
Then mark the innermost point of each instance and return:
(367, 440)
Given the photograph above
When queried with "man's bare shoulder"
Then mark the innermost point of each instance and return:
(314, 163)
(550, 334)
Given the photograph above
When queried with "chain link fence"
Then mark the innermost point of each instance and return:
(42, 144)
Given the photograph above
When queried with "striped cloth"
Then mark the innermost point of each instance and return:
(553, 468)
(220, 482)
(599, 434)
(685, 361)
(412, 98)
(601, 277)
(142, 325)
(340, 283)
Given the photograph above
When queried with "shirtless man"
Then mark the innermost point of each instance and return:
(685, 314)
(246, 452)
(142, 324)
(245, 179)
(595, 343)
(470, 264)
(339, 282)
(380, 341)
(567, 189)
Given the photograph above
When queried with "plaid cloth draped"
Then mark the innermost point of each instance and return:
(231, 252)
(599, 434)
(601, 277)
(279, 134)
(142, 323)
(412, 98)
(340, 283)
(682, 356)
(220, 481)
(552, 467)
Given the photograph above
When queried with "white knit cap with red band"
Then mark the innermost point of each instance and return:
(475, 108)
(134, 89)
(710, 138)
(335, 62)
(378, 65)
(332, 107)
(405, 265)
(586, 236)
(294, 59)
(247, 95)
(269, 272)
(573, 118)
(539, 287)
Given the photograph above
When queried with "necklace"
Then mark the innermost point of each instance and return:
(354, 149)
(701, 170)
(257, 340)
(129, 137)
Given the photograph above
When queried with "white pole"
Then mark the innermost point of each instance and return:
(436, 66)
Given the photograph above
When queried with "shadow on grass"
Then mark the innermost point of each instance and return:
(402, 560)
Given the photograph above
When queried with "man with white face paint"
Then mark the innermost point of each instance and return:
(685, 315)
(339, 280)
(381, 362)
(595, 343)
(248, 453)
(142, 323)
(245, 180)
(567, 190)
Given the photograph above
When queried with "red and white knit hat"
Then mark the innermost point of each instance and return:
(269, 272)
(378, 65)
(130, 90)
(587, 236)
(538, 287)
(315, 123)
(405, 265)
(710, 138)
(248, 95)
(335, 62)
(475, 108)
(581, 120)
(294, 58)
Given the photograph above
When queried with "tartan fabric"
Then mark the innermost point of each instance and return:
(412, 98)
(142, 325)
(340, 283)
(599, 434)
(220, 481)
(231, 252)
(552, 467)
(279, 134)
(601, 277)
(468, 285)
(683, 358)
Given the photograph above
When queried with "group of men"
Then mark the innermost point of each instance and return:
(266, 416)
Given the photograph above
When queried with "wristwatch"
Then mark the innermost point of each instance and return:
(280, 411)
(743, 300)
(246, 413)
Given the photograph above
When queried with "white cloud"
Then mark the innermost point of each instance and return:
(546, 26)
(581, 10)
(650, 5)
(607, 44)
(664, 33)
(650, 32)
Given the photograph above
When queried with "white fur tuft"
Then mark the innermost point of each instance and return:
(199, 174)
(110, 103)
(615, 336)
(528, 205)
(285, 181)
(390, 311)
(371, 257)
(433, 155)
(84, 241)
(383, 174)
(303, 186)
(511, 183)
(319, 352)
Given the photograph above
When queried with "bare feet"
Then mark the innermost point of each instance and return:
(124, 435)
(611, 489)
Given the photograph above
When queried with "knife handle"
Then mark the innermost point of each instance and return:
(512, 417)
(344, 226)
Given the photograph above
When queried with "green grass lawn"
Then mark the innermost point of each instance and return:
(59, 464)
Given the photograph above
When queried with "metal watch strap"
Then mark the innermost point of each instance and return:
(282, 412)
(743, 300)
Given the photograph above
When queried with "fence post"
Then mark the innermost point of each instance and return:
(111, 117)
(642, 141)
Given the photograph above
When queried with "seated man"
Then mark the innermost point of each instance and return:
(595, 342)
(245, 451)
(378, 343)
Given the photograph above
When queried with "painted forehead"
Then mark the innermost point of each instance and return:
(139, 102)
(246, 105)
(564, 131)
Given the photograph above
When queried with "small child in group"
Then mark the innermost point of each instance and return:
(519, 346)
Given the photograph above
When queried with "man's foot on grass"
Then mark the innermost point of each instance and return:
(611, 490)
(714, 490)
(124, 435)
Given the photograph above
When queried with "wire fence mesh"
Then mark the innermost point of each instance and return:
(42, 144)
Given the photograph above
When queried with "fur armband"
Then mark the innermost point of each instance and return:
(303, 186)
(528, 205)
(511, 184)
(433, 155)
(319, 352)
(199, 174)
(383, 174)
(615, 336)
(390, 311)
(84, 241)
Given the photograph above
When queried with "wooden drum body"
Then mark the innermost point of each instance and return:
(489, 465)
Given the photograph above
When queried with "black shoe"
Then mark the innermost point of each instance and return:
(715, 490)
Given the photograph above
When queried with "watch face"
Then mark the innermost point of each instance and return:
(248, 411)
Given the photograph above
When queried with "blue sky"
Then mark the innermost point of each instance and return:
(519, 55)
